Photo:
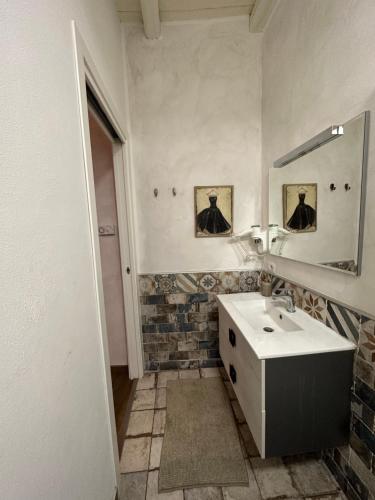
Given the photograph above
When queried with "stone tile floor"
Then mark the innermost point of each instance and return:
(275, 478)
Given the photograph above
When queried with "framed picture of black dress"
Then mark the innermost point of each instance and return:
(213, 207)
(300, 203)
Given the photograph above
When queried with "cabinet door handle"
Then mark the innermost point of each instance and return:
(232, 337)
(232, 374)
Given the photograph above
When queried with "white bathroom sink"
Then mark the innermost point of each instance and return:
(292, 334)
(265, 316)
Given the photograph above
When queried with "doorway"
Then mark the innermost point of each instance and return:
(90, 81)
(103, 139)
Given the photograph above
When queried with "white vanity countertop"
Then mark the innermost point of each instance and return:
(310, 336)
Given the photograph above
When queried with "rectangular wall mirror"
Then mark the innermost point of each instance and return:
(317, 198)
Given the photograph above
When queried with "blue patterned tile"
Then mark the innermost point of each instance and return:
(213, 353)
(213, 316)
(364, 371)
(155, 337)
(166, 327)
(229, 282)
(186, 308)
(364, 434)
(210, 306)
(180, 317)
(198, 354)
(191, 364)
(367, 340)
(363, 412)
(148, 328)
(165, 308)
(152, 366)
(178, 355)
(197, 297)
(169, 365)
(146, 284)
(165, 283)
(361, 449)
(185, 327)
(198, 316)
(341, 456)
(351, 494)
(157, 318)
(248, 281)
(337, 472)
(356, 483)
(209, 344)
(365, 393)
(188, 345)
(148, 310)
(176, 298)
(159, 356)
(177, 336)
(149, 348)
(343, 321)
(153, 299)
(213, 326)
(187, 282)
(207, 282)
(211, 363)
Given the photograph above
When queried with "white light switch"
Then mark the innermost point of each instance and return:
(107, 230)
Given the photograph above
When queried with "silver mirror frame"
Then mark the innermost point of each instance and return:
(330, 134)
(362, 207)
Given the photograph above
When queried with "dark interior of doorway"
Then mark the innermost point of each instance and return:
(100, 144)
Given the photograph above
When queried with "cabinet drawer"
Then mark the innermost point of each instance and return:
(249, 382)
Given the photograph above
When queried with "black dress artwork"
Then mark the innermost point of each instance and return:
(211, 220)
(303, 216)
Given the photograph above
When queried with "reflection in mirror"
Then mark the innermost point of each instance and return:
(317, 195)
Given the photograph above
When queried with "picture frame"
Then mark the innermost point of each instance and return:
(300, 207)
(213, 211)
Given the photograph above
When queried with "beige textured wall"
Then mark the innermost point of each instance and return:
(318, 69)
(195, 100)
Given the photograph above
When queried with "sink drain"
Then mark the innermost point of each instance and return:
(268, 329)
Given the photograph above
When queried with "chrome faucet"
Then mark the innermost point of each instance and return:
(287, 296)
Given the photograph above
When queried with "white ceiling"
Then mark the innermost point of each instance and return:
(179, 10)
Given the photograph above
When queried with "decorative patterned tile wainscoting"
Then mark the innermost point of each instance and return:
(180, 330)
(353, 465)
(180, 316)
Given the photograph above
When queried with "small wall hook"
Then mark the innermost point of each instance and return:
(332, 187)
(347, 187)
(174, 191)
(156, 192)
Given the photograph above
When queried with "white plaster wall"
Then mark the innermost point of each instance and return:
(195, 99)
(318, 69)
(54, 429)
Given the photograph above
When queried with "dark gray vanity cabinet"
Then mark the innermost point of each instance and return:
(307, 400)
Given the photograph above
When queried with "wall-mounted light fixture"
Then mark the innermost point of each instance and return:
(331, 133)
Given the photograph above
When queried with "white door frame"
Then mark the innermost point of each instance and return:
(87, 73)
